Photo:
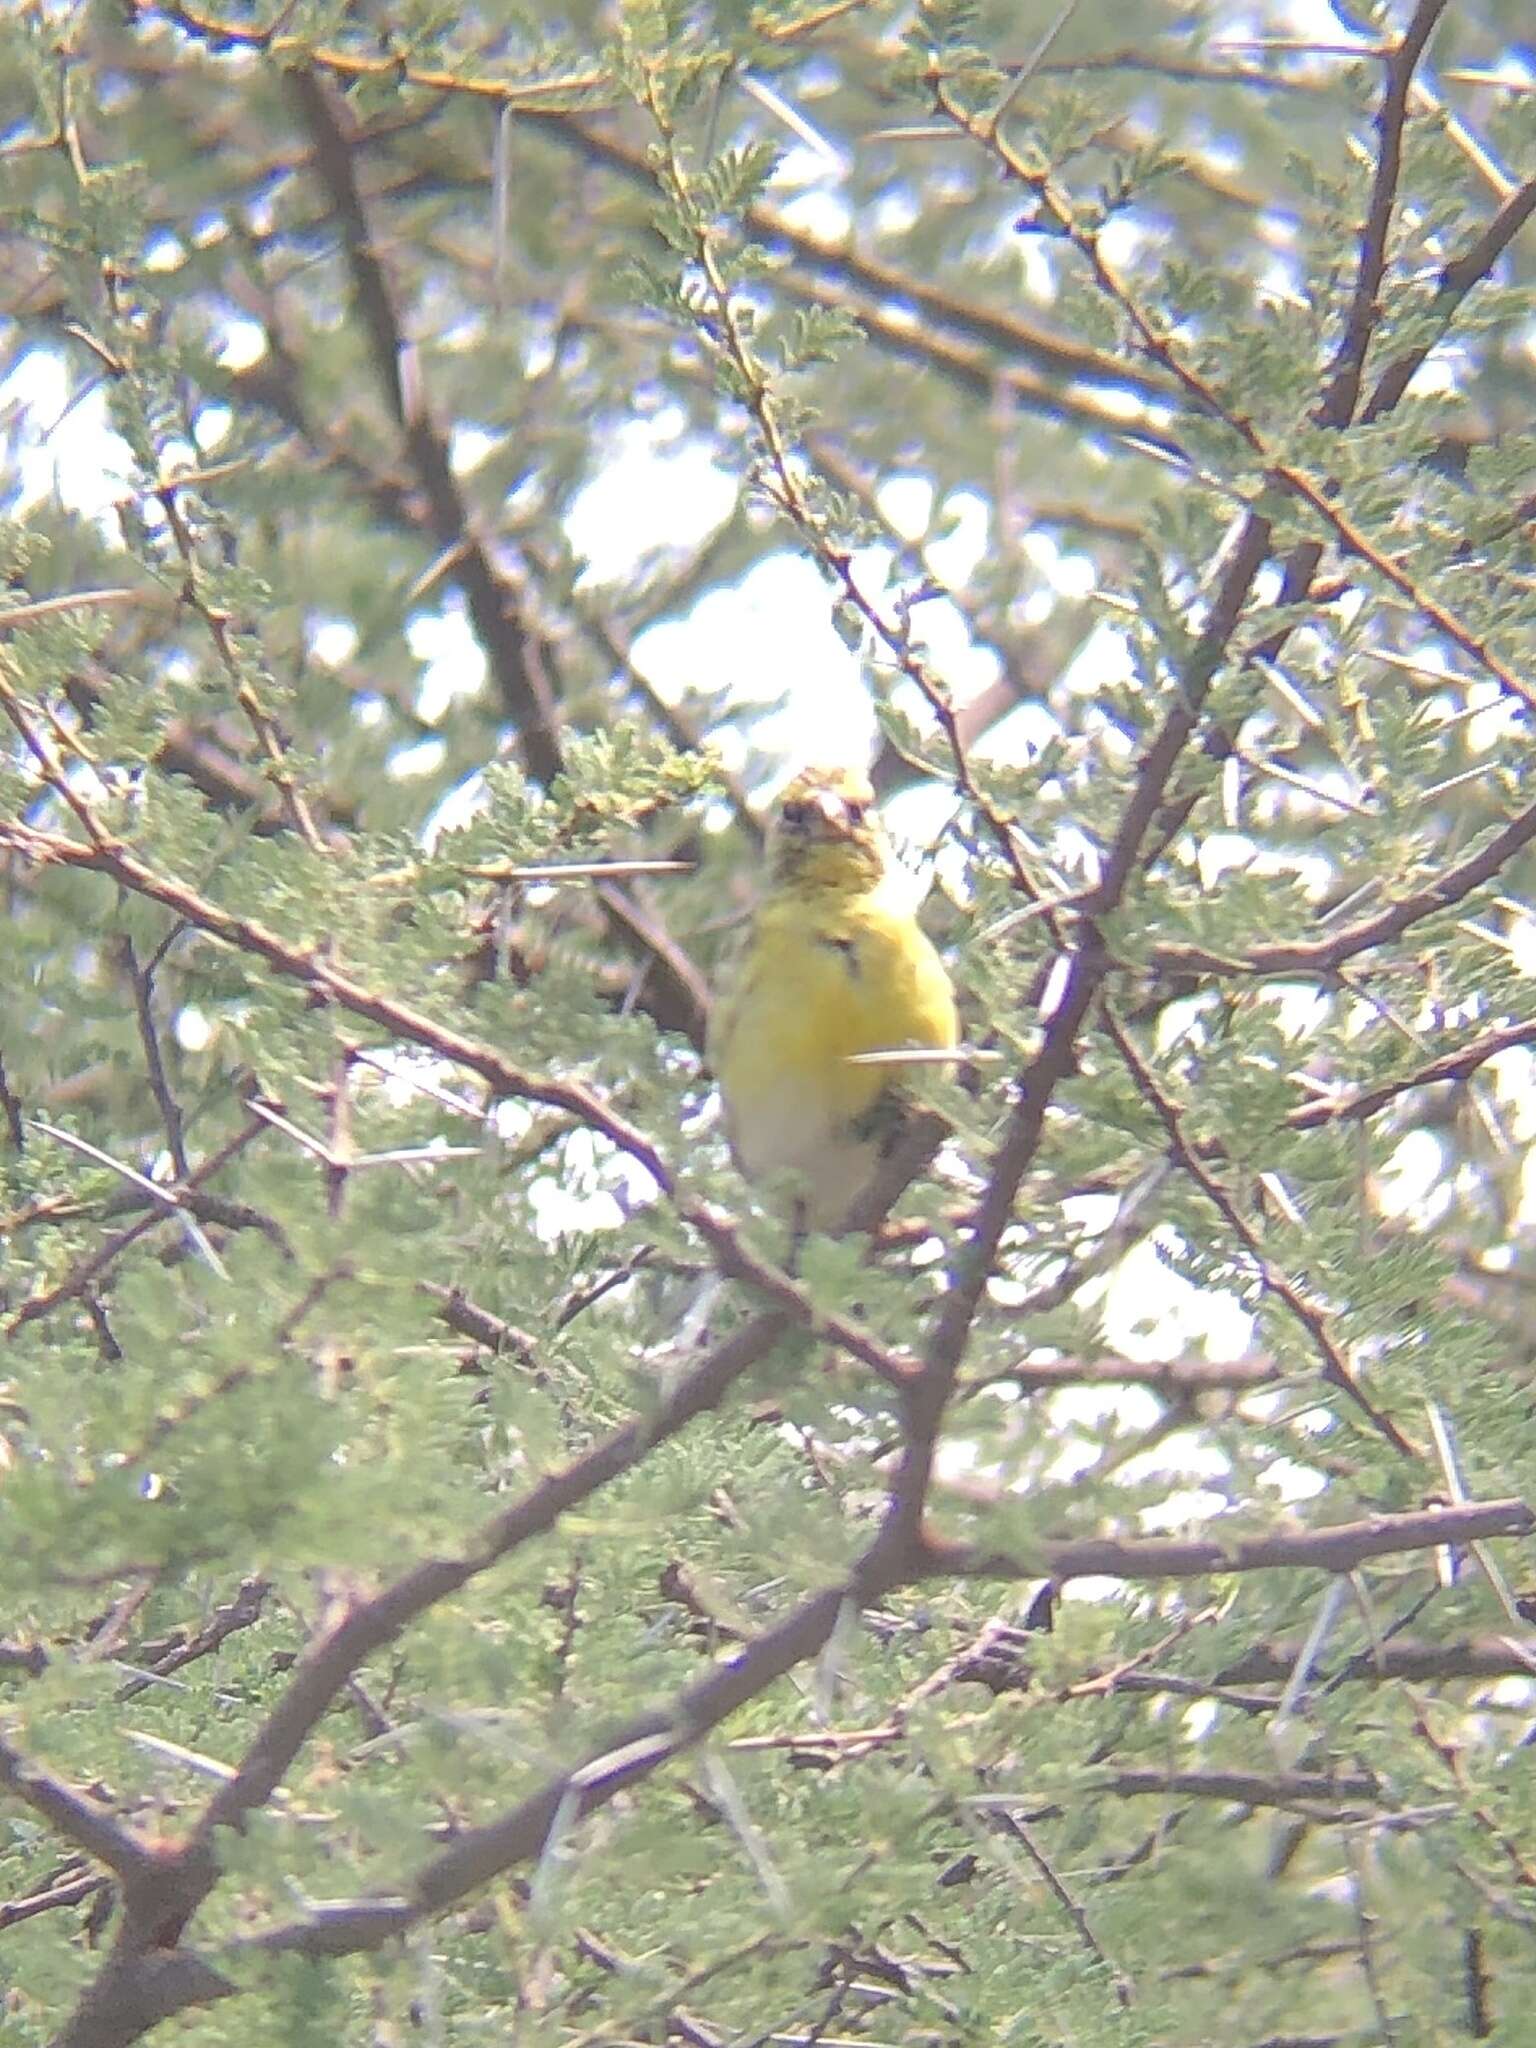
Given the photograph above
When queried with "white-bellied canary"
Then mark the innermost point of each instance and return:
(836, 965)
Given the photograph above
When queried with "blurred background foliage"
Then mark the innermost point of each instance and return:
(447, 443)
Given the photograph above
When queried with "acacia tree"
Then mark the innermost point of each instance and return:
(462, 1578)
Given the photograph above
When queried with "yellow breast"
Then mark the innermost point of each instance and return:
(819, 982)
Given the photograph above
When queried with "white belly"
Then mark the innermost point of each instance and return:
(803, 1137)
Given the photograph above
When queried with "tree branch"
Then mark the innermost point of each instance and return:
(1325, 956)
(86, 1822)
(1341, 1548)
(1341, 387)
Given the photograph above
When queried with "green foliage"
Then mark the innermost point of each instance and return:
(659, 1624)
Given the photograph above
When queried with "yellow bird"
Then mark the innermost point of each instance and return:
(836, 965)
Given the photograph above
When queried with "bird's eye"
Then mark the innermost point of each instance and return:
(855, 811)
(795, 814)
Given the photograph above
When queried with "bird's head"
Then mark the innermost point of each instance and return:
(826, 832)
